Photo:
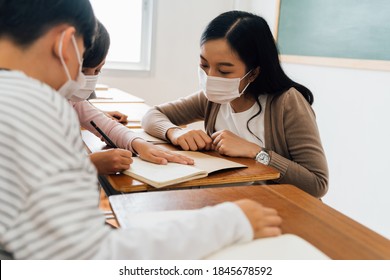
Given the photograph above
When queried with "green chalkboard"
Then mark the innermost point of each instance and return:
(347, 29)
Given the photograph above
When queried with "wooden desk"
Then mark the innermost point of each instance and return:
(134, 111)
(115, 95)
(254, 172)
(335, 234)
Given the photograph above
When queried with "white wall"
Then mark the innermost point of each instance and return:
(352, 114)
(351, 105)
(178, 26)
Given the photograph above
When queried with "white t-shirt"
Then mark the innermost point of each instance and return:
(237, 122)
(48, 191)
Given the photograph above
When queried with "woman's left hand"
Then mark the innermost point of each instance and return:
(229, 144)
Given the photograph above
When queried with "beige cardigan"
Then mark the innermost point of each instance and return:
(291, 134)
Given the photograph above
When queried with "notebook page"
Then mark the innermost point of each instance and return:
(210, 163)
(283, 247)
(162, 175)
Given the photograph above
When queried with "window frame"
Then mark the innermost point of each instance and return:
(146, 43)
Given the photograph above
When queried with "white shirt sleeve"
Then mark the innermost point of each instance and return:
(199, 234)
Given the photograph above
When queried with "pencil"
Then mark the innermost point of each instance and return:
(108, 140)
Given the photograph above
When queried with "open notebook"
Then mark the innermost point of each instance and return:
(164, 175)
(284, 247)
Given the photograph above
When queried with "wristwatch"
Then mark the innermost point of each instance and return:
(263, 157)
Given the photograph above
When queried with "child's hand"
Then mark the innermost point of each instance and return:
(117, 116)
(111, 161)
(155, 154)
(265, 221)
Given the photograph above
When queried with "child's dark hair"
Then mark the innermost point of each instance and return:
(25, 21)
(98, 51)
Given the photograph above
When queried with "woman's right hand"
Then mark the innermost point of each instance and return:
(193, 140)
(111, 161)
(265, 221)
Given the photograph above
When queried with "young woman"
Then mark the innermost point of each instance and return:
(250, 107)
(112, 160)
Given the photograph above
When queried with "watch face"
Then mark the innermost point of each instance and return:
(263, 158)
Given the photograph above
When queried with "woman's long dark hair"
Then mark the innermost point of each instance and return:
(250, 36)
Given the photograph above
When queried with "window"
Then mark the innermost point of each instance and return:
(130, 26)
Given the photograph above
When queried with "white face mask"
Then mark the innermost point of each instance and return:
(70, 87)
(220, 90)
(87, 90)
